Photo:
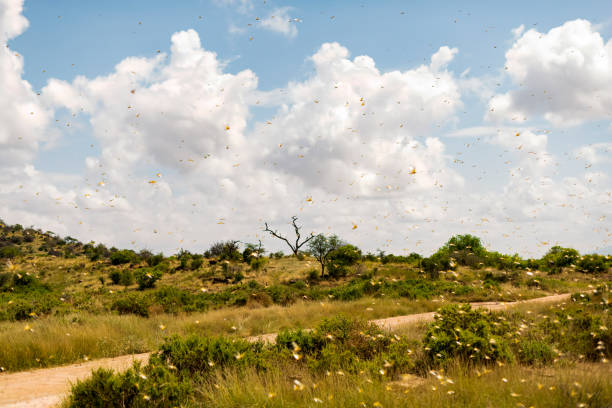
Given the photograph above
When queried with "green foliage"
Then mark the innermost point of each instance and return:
(123, 256)
(224, 250)
(155, 260)
(535, 352)
(341, 258)
(155, 385)
(123, 277)
(132, 303)
(351, 345)
(197, 261)
(277, 255)
(557, 258)
(146, 277)
(321, 247)
(96, 252)
(257, 262)
(436, 263)
(10, 252)
(593, 263)
(413, 258)
(470, 335)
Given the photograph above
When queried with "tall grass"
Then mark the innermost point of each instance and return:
(508, 386)
(53, 341)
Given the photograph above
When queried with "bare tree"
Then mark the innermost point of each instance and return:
(294, 248)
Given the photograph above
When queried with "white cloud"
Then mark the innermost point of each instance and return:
(12, 22)
(279, 21)
(364, 127)
(595, 153)
(348, 137)
(23, 119)
(564, 75)
(180, 112)
(241, 6)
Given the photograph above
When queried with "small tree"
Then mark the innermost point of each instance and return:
(321, 247)
(294, 248)
(341, 258)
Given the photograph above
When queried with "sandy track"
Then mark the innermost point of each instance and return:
(46, 387)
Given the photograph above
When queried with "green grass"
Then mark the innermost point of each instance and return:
(345, 362)
(66, 339)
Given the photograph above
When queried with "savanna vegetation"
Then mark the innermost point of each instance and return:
(63, 301)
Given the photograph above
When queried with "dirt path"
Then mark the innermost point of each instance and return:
(46, 387)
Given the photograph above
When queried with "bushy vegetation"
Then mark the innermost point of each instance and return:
(187, 370)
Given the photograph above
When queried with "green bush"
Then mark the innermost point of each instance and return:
(465, 333)
(340, 259)
(198, 356)
(155, 385)
(123, 257)
(435, 263)
(10, 252)
(123, 277)
(535, 352)
(557, 258)
(593, 264)
(132, 303)
(257, 262)
(351, 345)
(146, 277)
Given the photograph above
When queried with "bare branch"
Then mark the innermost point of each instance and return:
(294, 248)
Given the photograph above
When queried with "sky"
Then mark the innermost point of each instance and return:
(395, 125)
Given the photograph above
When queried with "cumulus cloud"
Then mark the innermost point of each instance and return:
(279, 21)
(595, 153)
(182, 161)
(181, 112)
(12, 22)
(24, 119)
(366, 128)
(565, 75)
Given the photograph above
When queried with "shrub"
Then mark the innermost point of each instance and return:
(231, 272)
(341, 259)
(435, 263)
(535, 352)
(152, 386)
(10, 252)
(198, 356)
(224, 250)
(96, 252)
(465, 333)
(353, 345)
(593, 264)
(155, 260)
(257, 262)
(146, 277)
(132, 303)
(558, 257)
(124, 256)
(196, 262)
(277, 255)
(122, 277)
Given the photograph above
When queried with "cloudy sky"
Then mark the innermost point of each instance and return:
(166, 125)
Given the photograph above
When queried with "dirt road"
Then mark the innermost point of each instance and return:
(46, 387)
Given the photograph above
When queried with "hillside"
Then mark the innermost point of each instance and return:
(63, 301)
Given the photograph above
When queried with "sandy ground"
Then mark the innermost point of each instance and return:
(47, 387)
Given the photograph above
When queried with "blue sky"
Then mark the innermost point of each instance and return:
(503, 110)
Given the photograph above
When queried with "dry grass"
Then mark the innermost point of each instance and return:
(508, 386)
(60, 340)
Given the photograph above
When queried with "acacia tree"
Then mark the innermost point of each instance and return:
(321, 247)
(295, 248)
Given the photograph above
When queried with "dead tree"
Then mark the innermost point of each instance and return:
(294, 248)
